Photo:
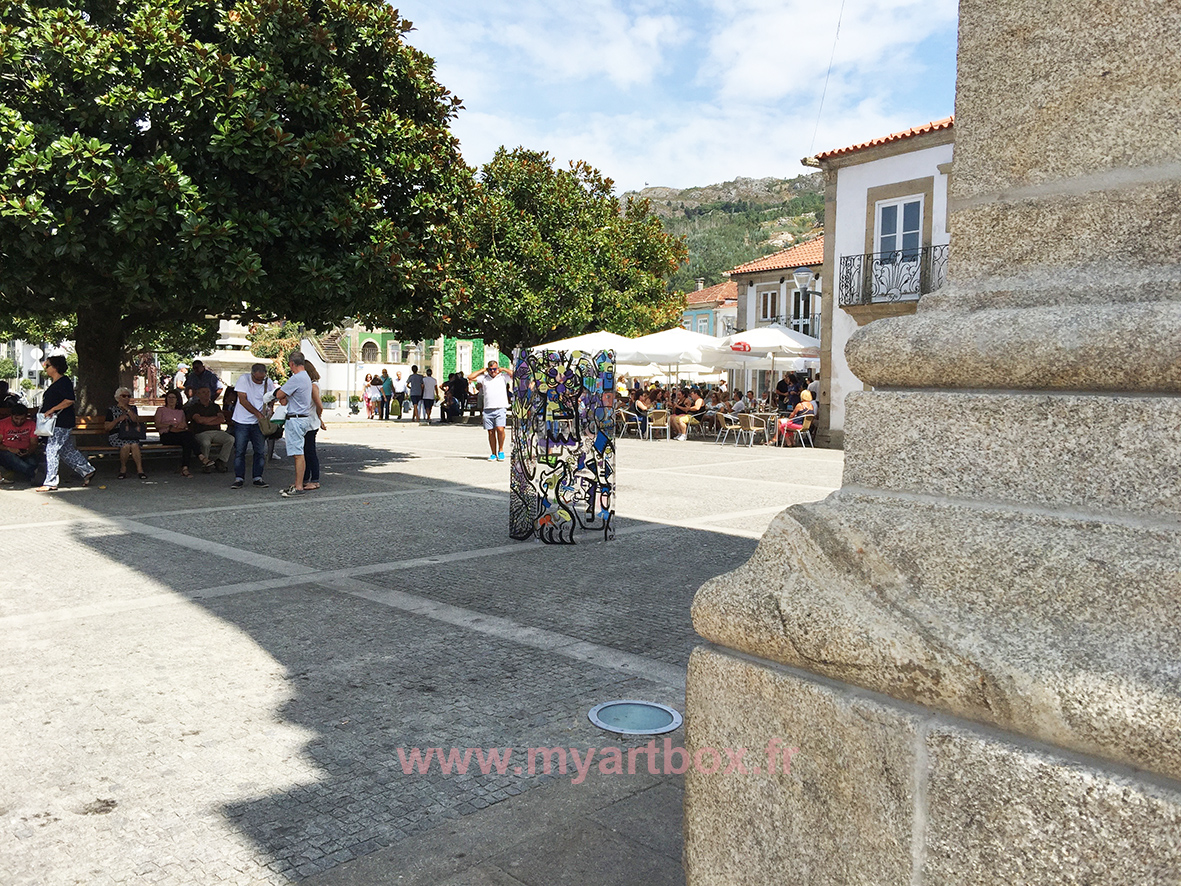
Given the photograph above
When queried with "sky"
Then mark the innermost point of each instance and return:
(692, 92)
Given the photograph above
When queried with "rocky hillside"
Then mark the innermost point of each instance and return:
(733, 222)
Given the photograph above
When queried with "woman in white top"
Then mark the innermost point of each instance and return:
(373, 394)
(430, 393)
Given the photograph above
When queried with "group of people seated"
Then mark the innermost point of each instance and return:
(793, 399)
(195, 426)
(212, 424)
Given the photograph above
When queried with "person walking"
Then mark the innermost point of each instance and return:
(373, 393)
(387, 394)
(296, 395)
(430, 393)
(58, 400)
(252, 389)
(399, 387)
(311, 474)
(414, 386)
(494, 385)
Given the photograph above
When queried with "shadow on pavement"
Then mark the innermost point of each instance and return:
(366, 680)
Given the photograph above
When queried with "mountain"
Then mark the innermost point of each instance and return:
(736, 221)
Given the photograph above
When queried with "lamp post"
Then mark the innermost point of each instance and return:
(804, 276)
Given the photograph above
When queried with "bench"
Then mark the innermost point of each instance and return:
(90, 435)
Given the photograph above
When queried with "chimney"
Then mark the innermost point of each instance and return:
(700, 283)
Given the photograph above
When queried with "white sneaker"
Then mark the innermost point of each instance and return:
(681, 437)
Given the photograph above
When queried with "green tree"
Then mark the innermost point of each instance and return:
(275, 341)
(165, 162)
(8, 369)
(552, 253)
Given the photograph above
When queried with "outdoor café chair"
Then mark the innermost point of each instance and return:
(805, 431)
(626, 421)
(658, 422)
(726, 424)
(751, 427)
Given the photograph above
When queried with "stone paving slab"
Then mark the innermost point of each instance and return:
(206, 686)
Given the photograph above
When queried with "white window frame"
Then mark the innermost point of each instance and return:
(393, 352)
(463, 357)
(900, 232)
(767, 299)
(703, 324)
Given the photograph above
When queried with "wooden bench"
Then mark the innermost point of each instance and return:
(90, 435)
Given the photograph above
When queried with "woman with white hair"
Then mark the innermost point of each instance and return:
(124, 432)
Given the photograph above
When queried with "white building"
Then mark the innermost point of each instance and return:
(886, 244)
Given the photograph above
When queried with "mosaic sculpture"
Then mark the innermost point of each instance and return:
(563, 467)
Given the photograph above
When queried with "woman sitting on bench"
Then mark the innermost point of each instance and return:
(173, 425)
(124, 432)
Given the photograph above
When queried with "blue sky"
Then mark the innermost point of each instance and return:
(687, 93)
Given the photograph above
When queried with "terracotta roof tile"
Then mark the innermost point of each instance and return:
(713, 294)
(804, 255)
(933, 126)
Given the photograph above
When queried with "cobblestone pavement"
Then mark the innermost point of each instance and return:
(204, 685)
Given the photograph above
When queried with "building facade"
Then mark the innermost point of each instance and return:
(886, 244)
(767, 291)
(712, 310)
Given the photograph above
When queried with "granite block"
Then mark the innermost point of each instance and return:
(843, 814)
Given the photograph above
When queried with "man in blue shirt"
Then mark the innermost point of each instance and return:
(296, 395)
(200, 377)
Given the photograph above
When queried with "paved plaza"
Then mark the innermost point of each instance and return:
(203, 685)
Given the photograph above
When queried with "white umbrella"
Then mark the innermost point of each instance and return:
(590, 342)
(775, 339)
(667, 348)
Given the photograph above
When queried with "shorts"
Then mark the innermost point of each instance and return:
(416, 399)
(494, 418)
(294, 430)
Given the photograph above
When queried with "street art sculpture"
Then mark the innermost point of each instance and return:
(563, 468)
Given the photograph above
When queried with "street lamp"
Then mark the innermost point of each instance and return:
(803, 276)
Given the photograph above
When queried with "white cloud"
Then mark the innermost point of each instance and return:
(687, 93)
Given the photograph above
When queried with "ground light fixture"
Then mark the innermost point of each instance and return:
(630, 716)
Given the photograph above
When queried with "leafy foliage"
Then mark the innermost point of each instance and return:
(9, 369)
(274, 341)
(553, 253)
(723, 235)
(162, 162)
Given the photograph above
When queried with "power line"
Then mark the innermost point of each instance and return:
(824, 92)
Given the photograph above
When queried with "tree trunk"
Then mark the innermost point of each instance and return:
(99, 342)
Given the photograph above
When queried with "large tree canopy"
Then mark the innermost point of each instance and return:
(554, 254)
(165, 160)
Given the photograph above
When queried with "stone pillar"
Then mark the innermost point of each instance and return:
(976, 644)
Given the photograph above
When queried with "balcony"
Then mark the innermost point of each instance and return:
(885, 277)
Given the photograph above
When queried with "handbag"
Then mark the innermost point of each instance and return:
(266, 426)
(46, 424)
(136, 433)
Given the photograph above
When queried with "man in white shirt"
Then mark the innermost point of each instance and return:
(430, 393)
(399, 393)
(296, 395)
(494, 385)
(252, 389)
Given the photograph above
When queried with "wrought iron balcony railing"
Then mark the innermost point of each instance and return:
(902, 275)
